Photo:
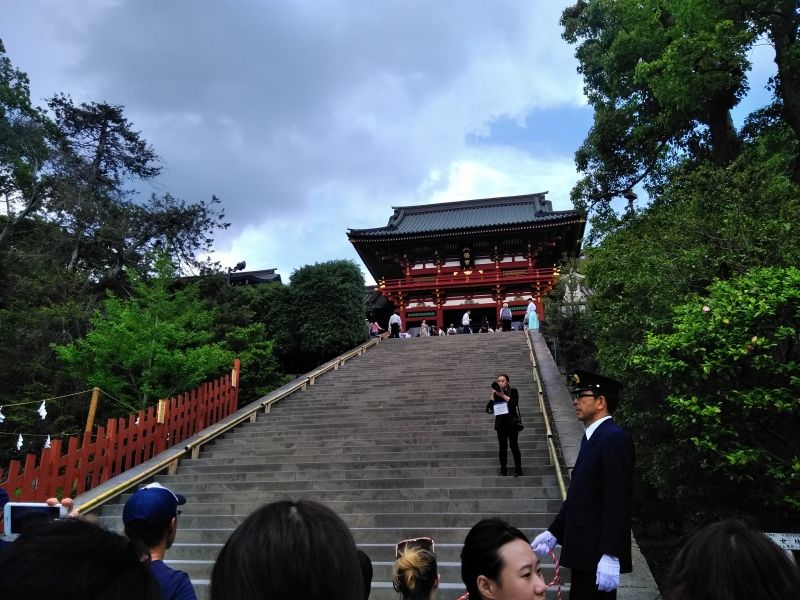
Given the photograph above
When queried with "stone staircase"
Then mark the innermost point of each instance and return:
(396, 442)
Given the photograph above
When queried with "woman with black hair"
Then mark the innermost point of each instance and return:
(732, 561)
(505, 401)
(74, 559)
(498, 563)
(287, 550)
(415, 574)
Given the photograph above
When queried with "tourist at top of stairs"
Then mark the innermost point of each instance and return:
(415, 574)
(497, 563)
(150, 516)
(465, 323)
(289, 550)
(395, 324)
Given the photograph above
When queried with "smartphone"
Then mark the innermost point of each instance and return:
(18, 515)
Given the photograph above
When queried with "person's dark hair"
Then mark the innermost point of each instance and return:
(366, 572)
(730, 560)
(287, 550)
(415, 573)
(508, 380)
(150, 534)
(481, 552)
(73, 559)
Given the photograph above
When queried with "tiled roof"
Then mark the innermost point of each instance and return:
(469, 214)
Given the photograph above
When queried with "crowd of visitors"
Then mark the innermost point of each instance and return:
(302, 549)
(468, 326)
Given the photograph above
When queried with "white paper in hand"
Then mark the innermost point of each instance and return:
(500, 408)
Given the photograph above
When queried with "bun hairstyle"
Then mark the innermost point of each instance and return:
(415, 574)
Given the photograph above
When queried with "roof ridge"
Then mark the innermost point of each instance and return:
(475, 202)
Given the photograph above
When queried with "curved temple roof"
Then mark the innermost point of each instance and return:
(465, 215)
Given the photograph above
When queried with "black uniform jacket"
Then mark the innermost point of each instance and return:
(595, 519)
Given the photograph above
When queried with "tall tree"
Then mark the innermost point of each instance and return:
(101, 151)
(152, 345)
(24, 149)
(662, 77)
(779, 21)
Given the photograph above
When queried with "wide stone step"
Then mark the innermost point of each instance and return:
(340, 446)
(449, 570)
(202, 495)
(247, 481)
(392, 520)
(377, 434)
(377, 470)
(366, 456)
(346, 507)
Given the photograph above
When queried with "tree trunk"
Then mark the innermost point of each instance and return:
(725, 143)
(783, 33)
(91, 181)
(29, 208)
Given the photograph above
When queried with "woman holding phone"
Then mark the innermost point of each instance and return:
(505, 401)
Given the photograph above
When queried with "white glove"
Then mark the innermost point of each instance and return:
(544, 543)
(607, 573)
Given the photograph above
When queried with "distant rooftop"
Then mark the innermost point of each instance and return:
(255, 277)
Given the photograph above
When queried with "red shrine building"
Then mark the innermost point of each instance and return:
(436, 261)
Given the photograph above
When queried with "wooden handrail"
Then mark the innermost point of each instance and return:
(543, 409)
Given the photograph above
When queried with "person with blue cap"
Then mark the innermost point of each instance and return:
(594, 523)
(151, 516)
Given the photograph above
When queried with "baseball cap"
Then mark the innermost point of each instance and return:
(153, 503)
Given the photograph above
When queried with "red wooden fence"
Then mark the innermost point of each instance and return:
(121, 444)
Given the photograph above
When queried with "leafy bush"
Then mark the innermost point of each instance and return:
(730, 364)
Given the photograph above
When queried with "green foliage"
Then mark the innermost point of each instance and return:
(731, 363)
(566, 319)
(319, 315)
(710, 223)
(662, 78)
(260, 368)
(152, 345)
(328, 307)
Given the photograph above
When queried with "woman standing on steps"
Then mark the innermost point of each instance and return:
(506, 407)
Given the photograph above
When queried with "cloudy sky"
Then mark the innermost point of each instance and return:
(309, 117)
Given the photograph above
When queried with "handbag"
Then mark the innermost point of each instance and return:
(518, 424)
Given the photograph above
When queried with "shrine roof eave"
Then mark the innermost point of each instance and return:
(387, 234)
(368, 250)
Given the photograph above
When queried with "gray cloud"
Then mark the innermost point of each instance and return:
(299, 111)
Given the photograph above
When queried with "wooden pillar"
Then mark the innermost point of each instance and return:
(92, 410)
